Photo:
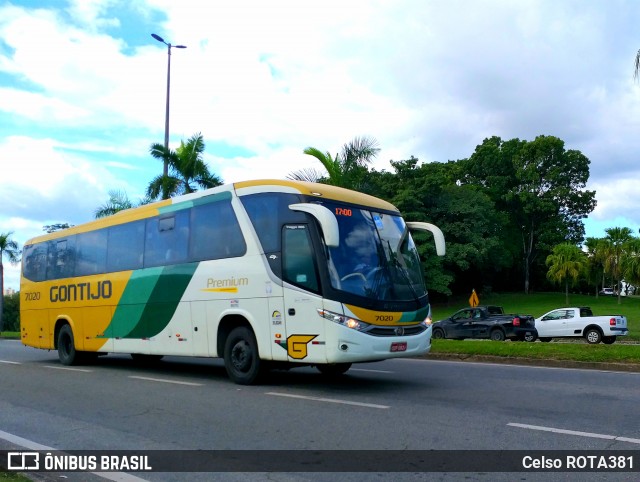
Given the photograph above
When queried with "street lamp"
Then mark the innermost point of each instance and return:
(165, 170)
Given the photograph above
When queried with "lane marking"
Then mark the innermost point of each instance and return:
(574, 432)
(164, 380)
(31, 445)
(328, 400)
(10, 362)
(84, 370)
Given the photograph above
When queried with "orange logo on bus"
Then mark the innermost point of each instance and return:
(297, 345)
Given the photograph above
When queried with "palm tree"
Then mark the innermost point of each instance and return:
(596, 255)
(8, 248)
(631, 263)
(346, 169)
(187, 170)
(615, 249)
(118, 201)
(565, 261)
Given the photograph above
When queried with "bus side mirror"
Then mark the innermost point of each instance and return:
(327, 220)
(438, 237)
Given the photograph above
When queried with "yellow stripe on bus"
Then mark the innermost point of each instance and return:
(375, 317)
(231, 289)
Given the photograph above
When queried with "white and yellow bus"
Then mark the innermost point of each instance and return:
(259, 273)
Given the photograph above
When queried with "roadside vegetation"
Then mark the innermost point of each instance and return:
(13, 477)
(563, 351)
(624, 350)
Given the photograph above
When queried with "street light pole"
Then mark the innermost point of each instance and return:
(165, 170)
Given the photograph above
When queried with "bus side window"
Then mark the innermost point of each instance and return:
(297, 258)
(268, 212)
(34, 262)
(166, 239)
(125, 246)
(61, 258)
(215, 232)
(91, 252)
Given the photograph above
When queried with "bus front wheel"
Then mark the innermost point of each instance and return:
(241, 358)
(66, 348)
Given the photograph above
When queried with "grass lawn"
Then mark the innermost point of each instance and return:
(583, 352)
(13, 477)
(538, 304)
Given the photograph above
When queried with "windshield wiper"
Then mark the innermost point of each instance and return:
(403, 271)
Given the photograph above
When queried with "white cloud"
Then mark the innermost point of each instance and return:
(49, 184)
(90, 12)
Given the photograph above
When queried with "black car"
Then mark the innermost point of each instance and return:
(486, 322)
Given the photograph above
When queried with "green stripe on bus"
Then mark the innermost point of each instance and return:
(164, 300)
(413, 316)
(131, 305)
(149, 301)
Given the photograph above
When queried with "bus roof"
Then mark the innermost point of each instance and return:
(242, 188)
(325, 191)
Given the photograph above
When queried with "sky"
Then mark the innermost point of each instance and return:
(83, 91)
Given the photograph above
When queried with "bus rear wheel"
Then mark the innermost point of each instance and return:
(241, 357)
(66, 348)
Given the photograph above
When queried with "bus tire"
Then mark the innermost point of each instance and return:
(241, 357)
(66, 348)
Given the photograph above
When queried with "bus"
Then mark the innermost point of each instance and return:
(264, 274)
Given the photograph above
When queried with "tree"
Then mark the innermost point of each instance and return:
(566, 262)
(11, 317)
(8, 248)
(540, 186)
(550, 197)
(187, 169)
(347, 169)
(617, 240)
(636, 70)
(631, 263)
(596, 254)
(52, 228)
(118, 201)
(476, 256)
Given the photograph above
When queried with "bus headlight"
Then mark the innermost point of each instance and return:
(347, 321)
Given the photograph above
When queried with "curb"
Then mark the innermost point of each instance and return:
(617, 367)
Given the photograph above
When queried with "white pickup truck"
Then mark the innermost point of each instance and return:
(580, 322)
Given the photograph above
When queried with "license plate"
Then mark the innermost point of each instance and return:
(399, 346)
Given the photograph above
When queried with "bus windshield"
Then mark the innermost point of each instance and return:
(376, 257)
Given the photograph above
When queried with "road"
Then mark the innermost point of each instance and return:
(186, 404)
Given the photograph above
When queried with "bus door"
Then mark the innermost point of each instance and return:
(302, 299)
